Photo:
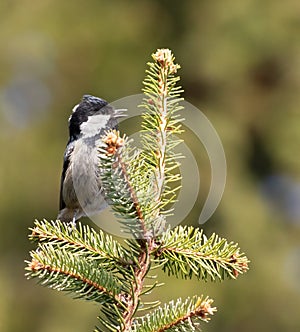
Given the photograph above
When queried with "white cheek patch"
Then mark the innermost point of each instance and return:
(94, 124)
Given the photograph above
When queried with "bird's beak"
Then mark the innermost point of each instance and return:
(120, 113)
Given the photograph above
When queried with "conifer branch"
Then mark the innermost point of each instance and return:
(139, 185)
(177, 316)
(82, 240)
(161, 123)
(63, 271)
(137, 289)
(186, 252)
(127, 184)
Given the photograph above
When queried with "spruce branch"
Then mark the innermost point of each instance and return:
(161, 122)
(186, 252)
(127, 185)
(177, 316)
(63, 271)
(139, 185)
(82, 240)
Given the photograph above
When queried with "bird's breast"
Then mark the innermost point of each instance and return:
(84, 174)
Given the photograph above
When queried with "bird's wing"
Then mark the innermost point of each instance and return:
(67, 156)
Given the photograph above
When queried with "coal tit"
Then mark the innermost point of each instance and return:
(80, 189)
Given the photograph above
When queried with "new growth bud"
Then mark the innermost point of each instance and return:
(113, 141)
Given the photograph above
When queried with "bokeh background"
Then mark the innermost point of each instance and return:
(240, 65)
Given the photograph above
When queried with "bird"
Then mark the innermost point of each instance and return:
(81, 193)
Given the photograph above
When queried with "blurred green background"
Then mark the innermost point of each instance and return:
(240, 65)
